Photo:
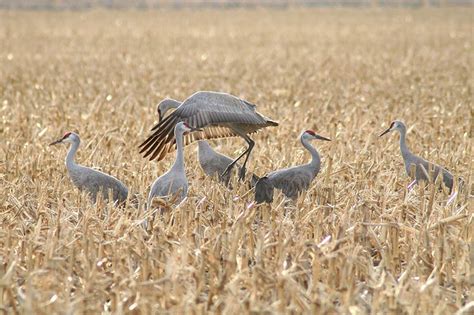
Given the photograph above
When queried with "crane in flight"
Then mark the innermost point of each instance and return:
(219, 114)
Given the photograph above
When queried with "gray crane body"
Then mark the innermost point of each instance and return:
(88, 179)
(410, 160)
(221, 114)
(213, 163)
(173, 185)
(294, 180)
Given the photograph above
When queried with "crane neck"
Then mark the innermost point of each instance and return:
(167, 105)
(403, 144)
(178, 165)
(203, 147)
(70, 163)
(315, 159)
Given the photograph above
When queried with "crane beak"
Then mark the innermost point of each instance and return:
(194, 129)
(321, 138)
(56, 142)
(386, 131)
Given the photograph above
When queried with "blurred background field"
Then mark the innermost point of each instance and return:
(196, 4)
(357, 243)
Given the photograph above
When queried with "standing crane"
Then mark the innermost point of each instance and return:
(88, 179)
(213, 163)
(221, 114)
(291, 181)
(173, 185)
(420, 165)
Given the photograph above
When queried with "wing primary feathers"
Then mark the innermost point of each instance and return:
(164, 124)
(161, 123)
(153, 146)
(160, 140)
(165, 130)
(168, 137)
(158, 151)
(153, 135)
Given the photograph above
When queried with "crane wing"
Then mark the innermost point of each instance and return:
(421, 174)
(209, 110)
(292, 180)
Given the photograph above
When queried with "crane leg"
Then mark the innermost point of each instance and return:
(243, 169)
(451, 197)
(247, 152)
(412, 184)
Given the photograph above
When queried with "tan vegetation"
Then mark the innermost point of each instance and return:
(356, 243)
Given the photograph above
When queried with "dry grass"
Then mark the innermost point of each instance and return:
(356, 243)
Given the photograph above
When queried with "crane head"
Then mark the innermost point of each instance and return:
(396, 124)
(311, 135)
(67, 137)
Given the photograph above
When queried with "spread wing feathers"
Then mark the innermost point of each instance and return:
(208, 108)
(202, 109)
(213, 132)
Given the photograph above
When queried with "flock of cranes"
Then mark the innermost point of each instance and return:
(209, 115)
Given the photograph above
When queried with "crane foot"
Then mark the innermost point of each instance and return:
(242, 172)
(451, 198)
(412, 184)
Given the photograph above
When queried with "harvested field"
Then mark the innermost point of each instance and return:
(358, 242)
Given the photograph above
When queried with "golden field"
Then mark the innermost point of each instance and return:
(357, 243)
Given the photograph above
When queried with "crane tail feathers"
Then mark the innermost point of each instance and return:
(264, 190)
(254, 180)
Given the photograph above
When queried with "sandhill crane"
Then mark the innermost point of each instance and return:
(88, 179)
(222, 115)
(213, 163)
(173, 185)
(421, 166)
(292, 181)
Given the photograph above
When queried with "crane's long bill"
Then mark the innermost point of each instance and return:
(322, 138)
(386, 131)
(56, 142)
(195, 129)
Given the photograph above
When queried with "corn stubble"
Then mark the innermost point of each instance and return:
(357, 242)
